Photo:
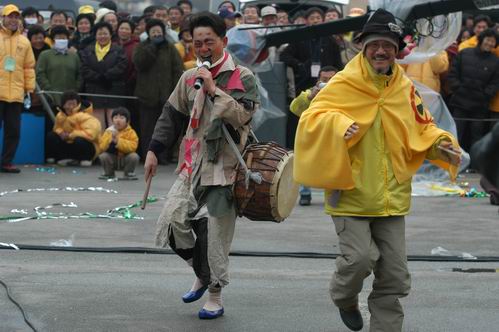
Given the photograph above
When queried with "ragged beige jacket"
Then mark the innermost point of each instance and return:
(235, 103)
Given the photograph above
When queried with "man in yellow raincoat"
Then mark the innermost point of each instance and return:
(362, 139)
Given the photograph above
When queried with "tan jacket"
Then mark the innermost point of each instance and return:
(15, 84)
(235, 103)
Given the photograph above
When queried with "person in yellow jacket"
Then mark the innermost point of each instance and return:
(300, 104)
(185, 48)
(480, 24)
(17, 78)
(362, 139)
(75, 137)
(118, 145)
(428, 73)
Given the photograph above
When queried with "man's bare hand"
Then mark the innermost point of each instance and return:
(351, 131)
(313, 92)
(208, 83)
(150, 165)
(64, 135)
(450, 153)
(114, 136)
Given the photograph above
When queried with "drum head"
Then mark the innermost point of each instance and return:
(287, 189)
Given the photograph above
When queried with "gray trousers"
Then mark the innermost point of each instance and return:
(110, 162)
(212, 238)
(372, 245)
(203, 238)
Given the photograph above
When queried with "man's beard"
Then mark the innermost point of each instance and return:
(383, 70)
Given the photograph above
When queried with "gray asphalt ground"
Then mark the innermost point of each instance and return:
(71, 291)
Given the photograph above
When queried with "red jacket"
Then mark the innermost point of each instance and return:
(131, 74)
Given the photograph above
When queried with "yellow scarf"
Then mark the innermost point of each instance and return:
(100, 52)
(321, 153)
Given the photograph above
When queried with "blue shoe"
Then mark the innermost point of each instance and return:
(207, 314)
(192, 296)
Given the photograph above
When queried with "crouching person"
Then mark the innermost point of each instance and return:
(75, 137)
(118, 145)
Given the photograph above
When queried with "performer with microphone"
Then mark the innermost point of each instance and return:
(199, 215)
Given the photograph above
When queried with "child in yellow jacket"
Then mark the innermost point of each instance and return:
(75, 137)
(118, 145)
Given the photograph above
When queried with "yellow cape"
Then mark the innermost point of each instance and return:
(321, 153)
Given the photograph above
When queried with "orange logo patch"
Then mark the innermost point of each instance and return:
(421, 115)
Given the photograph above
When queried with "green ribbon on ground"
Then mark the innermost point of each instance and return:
(121, 212)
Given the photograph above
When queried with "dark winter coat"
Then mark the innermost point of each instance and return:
(104, 77)
(301, 55)
(131, 75)
(37, 52)
(80, 44)
(158, 70)
(474, 80)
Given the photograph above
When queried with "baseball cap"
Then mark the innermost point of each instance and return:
(86, 9)
(268, 10)
(9, 9)
(225, 13)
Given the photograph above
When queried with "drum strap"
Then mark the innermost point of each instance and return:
(254, 176)
(247, 199)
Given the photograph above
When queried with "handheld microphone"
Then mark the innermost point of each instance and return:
(199, 81)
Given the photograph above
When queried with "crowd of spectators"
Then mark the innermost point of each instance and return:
(115, 61)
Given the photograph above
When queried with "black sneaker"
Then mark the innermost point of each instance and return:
(9, 168)
(106, 177)
(352, 318)
(305, 200)
(128, 177)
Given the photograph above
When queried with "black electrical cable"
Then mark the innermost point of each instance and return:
(18, 305)
(284, 254)
(304, 254)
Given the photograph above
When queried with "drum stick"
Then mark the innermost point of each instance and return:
(454, 157)
(449, 151)
(146, 193)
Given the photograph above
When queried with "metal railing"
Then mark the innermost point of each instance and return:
(48, 109)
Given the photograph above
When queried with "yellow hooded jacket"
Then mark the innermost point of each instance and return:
(429, 72)
(189, 59)
(128, 141)
(473, 42)
(14, 85)
(300, 103)
(80, 124)
(374, 168)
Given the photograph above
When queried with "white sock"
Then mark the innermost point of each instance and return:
(214, 302)
(196, 285)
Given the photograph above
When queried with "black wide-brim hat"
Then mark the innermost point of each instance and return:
(382, 22)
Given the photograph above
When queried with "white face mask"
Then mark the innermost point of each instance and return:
(61, 45)
(31, 20)
(143, 36)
